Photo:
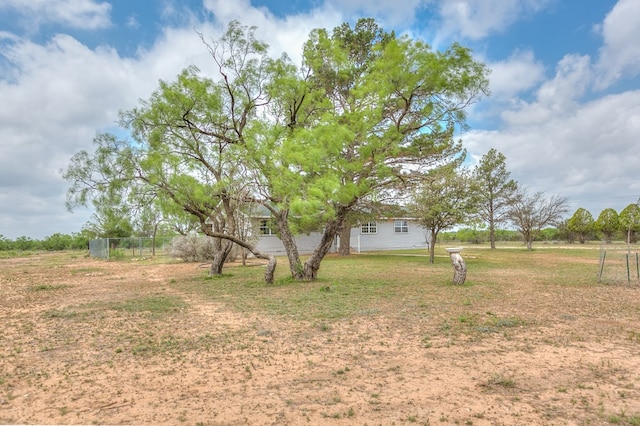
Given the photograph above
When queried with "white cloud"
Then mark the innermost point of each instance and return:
(556, 97)
(62, 92)
(518, 73)
(620, 53)
(476, 19)
(560, 144)
(132, 22)
(83, 14)
(282, 34)
(588, 152)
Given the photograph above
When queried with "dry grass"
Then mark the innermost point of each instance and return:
(531, 338)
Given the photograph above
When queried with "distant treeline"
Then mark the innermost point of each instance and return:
(55, 242)
(80, 241)
(481, 236)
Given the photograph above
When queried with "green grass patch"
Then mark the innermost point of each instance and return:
(156, 304)
(392, 282)
(64, 313)
(341, 294)
(48, 287)
(501, 380)
(10, 254)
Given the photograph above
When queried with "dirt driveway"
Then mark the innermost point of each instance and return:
(84, 341)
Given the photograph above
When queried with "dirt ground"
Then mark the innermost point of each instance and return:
(67, 358)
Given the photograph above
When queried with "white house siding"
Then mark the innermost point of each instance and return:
(384, 239)
(306, 243)
(387, 239)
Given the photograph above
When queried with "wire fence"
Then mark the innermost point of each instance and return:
(122, 248)
(619, 264)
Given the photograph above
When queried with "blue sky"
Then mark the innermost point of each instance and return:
(564, 109)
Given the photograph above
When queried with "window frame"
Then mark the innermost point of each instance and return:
(369, 228)
(265, 227)
(401, 226)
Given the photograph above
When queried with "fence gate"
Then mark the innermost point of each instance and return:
(619, 264)
(99, 248)
(119, 248)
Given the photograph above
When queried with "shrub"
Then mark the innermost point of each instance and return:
(195, 248)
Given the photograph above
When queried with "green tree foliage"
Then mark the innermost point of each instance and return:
(57, 241)
(110, 222)
(24, 243)
(581, 224)
(630, 221)
(186, 157)
(607, 223)
(530, 213)
(366, 113)
(384, 110)
(495, 190)
(445, 200)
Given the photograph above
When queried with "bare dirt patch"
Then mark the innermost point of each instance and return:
(85, 341)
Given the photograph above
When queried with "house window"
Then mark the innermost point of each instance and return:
(369, 228)
(401, 226)
(266, 227)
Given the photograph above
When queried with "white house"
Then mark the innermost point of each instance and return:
(381, 234)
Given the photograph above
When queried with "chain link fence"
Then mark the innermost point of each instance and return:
(122, 248)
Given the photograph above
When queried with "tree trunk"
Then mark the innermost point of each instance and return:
(290, 246)
(432, 247)
(222, 251)
(272, 261)
(492, 230)
(345, 240)
(312, 265)
(529, 243)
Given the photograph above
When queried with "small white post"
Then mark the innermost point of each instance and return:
(459, 267)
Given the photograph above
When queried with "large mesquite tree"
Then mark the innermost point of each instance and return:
(374, 113)
(365, 113)
(187, 146)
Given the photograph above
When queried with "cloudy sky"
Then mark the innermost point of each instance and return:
(565, 82)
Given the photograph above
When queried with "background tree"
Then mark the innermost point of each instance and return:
(57, 241)
(563, 232)
(550, 234)
(445, 200)
(607, 223)
(630, 222)
(495, 190)
(109, 221)
(531, 213)
(187, 136)
(581, 224)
